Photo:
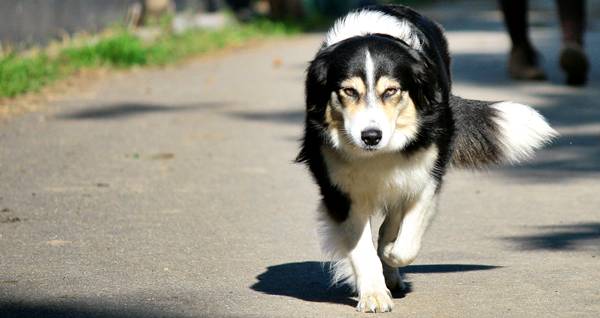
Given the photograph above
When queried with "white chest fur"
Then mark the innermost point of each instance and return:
(383, 179)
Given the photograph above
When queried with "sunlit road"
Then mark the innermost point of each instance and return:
(172, 193)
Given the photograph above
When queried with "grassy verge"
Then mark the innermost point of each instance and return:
(122, 49)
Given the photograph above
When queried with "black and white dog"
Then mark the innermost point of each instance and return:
(381, 129)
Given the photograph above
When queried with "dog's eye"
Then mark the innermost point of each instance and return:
(350, 92)
(390, 92)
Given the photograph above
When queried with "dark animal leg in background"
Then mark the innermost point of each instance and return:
(572, 20)
(515, 18)
(572, 57)
(523, 62)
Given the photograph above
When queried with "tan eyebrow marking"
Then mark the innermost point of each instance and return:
(384, 83)
(356, 83)
(352, 105)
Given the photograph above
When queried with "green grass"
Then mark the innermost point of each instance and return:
(19, 75)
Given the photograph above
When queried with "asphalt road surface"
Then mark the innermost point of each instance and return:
(172, 193)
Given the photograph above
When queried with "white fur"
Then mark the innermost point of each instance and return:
(371, 116)
(350, 142)
(368, 118)
(522, 129)
(365, 22)
(411, 229)
(383, 179)
(373, 295)
(400, 139)
(383, 183)
(355, 259)
(370, 72)
(333, 245)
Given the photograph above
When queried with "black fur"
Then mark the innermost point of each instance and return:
(425, 74)
(475, 146)
(432, 130)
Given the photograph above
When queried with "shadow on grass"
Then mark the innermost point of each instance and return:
(309, 281)
(126, 110)
(561, 238)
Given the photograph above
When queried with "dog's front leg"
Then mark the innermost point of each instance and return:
(415, 219)
(373, 295)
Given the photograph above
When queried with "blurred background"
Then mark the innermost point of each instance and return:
(35, 21)
(146, 151)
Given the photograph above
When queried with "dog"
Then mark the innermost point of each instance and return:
(381, 129)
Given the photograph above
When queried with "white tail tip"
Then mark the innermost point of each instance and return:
(522, 130)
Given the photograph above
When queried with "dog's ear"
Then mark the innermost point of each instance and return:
(425, 87)
(317, 94)
(317, 97)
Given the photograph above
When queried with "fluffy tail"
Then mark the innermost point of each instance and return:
(489, 133)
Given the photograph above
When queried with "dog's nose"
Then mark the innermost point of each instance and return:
(371, 136)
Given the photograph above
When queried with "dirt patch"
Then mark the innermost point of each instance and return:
(9, 219)
(163, 156)
(9, 282)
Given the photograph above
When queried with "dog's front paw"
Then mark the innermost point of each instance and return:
(398, 257)
(379, 301)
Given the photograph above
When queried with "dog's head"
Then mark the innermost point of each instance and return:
(367, 94)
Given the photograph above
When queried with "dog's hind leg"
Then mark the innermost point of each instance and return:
(352, 240)
(415, 221)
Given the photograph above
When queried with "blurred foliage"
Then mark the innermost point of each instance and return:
(123, 49)
(18, 74)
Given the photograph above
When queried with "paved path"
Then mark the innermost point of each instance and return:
(171, 193)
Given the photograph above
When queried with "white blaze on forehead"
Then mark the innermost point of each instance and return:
(369, 72)
(365, 22)
(370, 75)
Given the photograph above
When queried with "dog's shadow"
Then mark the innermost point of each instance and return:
(309, 281)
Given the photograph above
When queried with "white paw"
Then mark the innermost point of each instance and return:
(396, 257)
(379, 301)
